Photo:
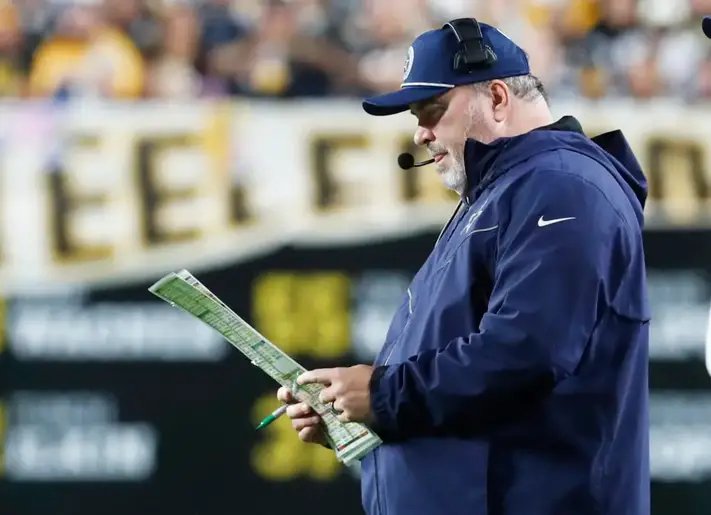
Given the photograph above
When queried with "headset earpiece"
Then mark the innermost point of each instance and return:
(473, 53)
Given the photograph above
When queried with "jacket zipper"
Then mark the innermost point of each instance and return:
(410, 309)
(457, 211)
(407, 324)
(378, 502)
(449, 222)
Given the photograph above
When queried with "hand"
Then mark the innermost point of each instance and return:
(347, 388)
(306, 422)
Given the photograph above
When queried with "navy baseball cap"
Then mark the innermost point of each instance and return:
(440, 60)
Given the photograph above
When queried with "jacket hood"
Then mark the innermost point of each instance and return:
(484, 163)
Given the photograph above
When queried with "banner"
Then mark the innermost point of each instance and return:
(114, 402)
(106, 192)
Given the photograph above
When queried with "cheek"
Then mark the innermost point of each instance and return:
(484, 130)
(452, 136)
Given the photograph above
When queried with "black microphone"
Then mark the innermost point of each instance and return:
(706, 26)
(407, 161)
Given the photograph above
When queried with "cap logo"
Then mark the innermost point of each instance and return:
(408, 63)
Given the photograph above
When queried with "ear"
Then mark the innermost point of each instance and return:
(500, 100)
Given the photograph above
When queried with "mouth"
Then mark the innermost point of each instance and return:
(439, 157)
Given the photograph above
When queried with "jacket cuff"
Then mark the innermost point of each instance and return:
(384, 423)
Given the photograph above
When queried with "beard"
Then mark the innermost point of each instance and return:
(453, 174)
(452, 169)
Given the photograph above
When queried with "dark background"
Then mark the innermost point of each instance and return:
(204, 413)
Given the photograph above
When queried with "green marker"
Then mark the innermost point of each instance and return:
(271, 418)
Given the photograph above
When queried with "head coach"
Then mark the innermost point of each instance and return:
(513, 378)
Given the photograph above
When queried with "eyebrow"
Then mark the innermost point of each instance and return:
(426, 105)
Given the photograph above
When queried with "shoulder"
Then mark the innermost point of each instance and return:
(564, 192)
(568, 177)
(58, 48)
(550, 182)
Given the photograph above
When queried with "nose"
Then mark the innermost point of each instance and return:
(423, 136)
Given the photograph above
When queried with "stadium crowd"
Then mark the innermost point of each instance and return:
(182, 49)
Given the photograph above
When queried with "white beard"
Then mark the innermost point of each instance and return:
(454, 177)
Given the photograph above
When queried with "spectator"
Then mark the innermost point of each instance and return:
(220, 25)
(12, 62)
(275, 59)
(138, 21)
(388, 29)
(173, 74)
(127, 49)
(89, 56)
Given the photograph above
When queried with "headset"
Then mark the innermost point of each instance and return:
(473, 53)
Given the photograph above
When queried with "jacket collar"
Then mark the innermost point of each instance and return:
(485, 162)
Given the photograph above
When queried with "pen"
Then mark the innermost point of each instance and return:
(271, 418)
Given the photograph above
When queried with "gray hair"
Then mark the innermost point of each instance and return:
(525, 87)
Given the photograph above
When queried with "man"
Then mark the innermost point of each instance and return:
(513, 379)
(88, 56)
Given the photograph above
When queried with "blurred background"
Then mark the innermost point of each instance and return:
(139, 137)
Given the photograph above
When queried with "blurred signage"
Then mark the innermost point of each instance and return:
(103, 192)
(69, 436)
(70, 328)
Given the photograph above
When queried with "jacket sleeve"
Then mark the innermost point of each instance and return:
(549, 281)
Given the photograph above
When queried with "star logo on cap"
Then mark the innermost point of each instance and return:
(408, 63)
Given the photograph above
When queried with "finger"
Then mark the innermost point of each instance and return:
(306, 423)
(327, 395)
(284, 395)
(338, 406)
(302, 427)
(298, 410)
(309, 434)
(320, 375)
(345, 417)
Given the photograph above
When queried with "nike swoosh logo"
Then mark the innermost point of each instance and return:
(543, 223)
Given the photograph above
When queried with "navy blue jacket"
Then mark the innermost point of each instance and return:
(513, 379)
